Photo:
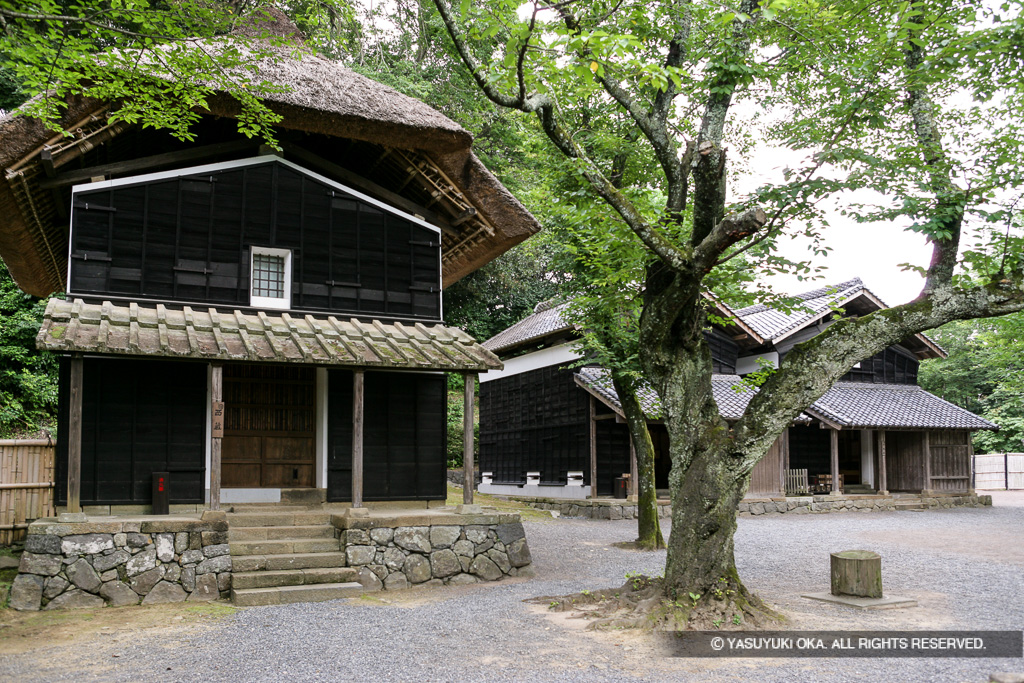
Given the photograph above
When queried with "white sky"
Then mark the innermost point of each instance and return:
(871, 251)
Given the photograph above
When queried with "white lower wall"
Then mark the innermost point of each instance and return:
(571, 492)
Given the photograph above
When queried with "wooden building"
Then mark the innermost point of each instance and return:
(250, 321)
(549, 430)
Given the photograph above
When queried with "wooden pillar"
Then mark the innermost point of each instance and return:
(836, 490)
(75, 435)
(216, 431)
(468, 464)
(357, 438)
(633, 484)
(883, 475)
(926, 450)
(970, 463)
(593, 448)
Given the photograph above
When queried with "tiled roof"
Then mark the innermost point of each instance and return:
(731, 402)
(545, 320)
(772, 323)
(856, 404)
(213, 334)
(849, 404)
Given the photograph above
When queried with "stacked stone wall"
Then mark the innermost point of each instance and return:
(116, 563)
(398, 557)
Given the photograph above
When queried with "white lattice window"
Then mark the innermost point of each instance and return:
(270, 278)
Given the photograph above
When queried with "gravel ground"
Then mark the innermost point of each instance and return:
(963, 566)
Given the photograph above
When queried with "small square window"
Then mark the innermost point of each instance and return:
(270, 278)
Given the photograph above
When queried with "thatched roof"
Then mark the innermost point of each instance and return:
(325, 98)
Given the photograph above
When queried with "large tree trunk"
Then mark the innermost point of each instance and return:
(708, 477)
(648, 527)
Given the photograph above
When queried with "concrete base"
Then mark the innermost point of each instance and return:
(885, 602)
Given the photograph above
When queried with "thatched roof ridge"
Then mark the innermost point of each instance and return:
(328, 98)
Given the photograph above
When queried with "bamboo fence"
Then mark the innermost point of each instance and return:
(26, 486)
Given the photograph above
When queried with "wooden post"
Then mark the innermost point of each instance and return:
(75, 435)
(836, 490)
(926, 449)
(216, 432)
(468, 466)
(593, 449)
(883, 475)
(633, 485)
(357, 438)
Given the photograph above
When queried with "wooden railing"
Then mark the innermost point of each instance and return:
(26, 486)
(796, 483)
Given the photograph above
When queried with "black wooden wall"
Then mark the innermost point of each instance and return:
(891, 366)
(138, 417)
(404, 436)
(187, 239)
(613, 458)
(535, 421)
(810, 448)
(724, 352)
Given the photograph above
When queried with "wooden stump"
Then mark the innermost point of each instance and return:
(857, 572)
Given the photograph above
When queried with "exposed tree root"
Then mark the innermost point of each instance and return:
(643, 603)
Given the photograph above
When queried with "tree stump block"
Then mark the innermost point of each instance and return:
(857, 572)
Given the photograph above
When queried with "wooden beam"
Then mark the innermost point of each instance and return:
(370, 187)
(836, 490)
(883, 480)
(358, 378)
(145, 163)
(75, 435)
(216, 431)
(593, 449)
(468, 467)
(463, 217)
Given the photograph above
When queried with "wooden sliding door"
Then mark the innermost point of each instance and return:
(269, 426)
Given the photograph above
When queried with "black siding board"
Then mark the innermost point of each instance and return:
(403, 436)
(891, 366)
(188, 240)
(138, 417)
(612, 454)
(724, 352)
(535, 421)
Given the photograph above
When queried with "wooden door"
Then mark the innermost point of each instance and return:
(269, 427)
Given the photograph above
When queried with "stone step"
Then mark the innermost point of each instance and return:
(269, 507)
(909, 505)
(282, 546)
(273, 533)
(251, 563)
(308, 496)
(293, 577)
(252, 597)
(292, 518)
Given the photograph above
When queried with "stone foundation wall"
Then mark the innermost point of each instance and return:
(825, 504)
(592, 509)
(432, 552)
(606, 509)
(123, 562)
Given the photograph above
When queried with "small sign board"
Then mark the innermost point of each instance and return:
(217, 428)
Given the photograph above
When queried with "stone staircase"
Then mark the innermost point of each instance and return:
(283, 553)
